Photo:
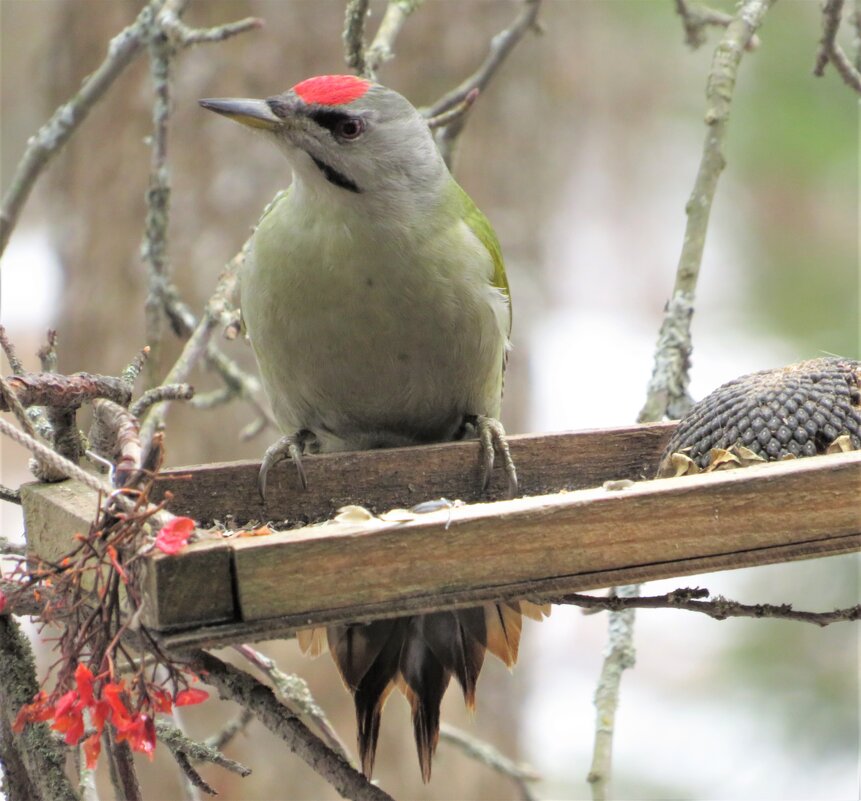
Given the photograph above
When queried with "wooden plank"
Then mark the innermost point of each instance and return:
(191, 588)
(538, 547)
(384, 479)
(54, 513)
(286, 626)
(545, 546)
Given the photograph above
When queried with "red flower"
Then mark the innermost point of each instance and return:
(65, 702)
(2, 600)
(84, 682)
(190, 696)
(68, 718)
(36, 711)
(161, 700)
(120, 715)
(92, 749)
(100, 711)
(174, 535)
(140, 734)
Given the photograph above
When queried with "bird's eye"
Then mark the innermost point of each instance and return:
(351, 128)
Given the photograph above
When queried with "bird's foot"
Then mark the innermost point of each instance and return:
(290, 446)
(491, 435)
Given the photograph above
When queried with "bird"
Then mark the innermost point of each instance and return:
(375, 299)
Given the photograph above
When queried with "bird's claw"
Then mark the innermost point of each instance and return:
(492, 437)
(290, 446)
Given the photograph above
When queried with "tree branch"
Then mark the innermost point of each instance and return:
(521, 775)
(154, 246)
(239, 686)
(35, 748)
(293, 691)
(667, 392)
(500, 47)
(695, 19)
(123, 774)
(197, 344)
(176, 741)
(718, 608)
(160, 394)
(51, 137)
(354, 35)
(166, 36)
(619, 656)
(220, 740)
(381, 49)
(830, 50)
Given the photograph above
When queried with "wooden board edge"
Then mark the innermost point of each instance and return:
(539, 591)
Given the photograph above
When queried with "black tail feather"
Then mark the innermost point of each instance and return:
(426, 680)
(419, 655)
(367, 658)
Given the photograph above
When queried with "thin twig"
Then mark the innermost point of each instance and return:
(243, 384)
(187, 37)
(35, 413)
(239, 686)
(115, 436)
(12, 548)
(381, 49)
(154, 246)
(9, 495)
(292, 690)
(213, 399)
(500, 47)
(695, 19)
(51, 137)
(354, 35)
(197, 344)
(134, 368)
(184, 749)
(830, 50)
(254, 428)
(481, 751)
(159, 394)
(167, 35)
(193, 781)
(48, 353)
(619, 656)
(454, 113)
(667, 392)
(233, 727)
(719, 608)
(175, 740)
(856, 29)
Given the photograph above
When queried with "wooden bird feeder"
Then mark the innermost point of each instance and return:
(568, 533)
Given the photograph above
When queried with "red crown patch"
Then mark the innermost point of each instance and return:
(332, 90)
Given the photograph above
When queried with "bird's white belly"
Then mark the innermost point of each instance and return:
(370, 350)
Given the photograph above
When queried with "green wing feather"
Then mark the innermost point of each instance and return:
(481, 227)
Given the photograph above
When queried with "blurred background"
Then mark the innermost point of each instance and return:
(582, 152)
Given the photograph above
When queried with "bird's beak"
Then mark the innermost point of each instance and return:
(254, 113)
